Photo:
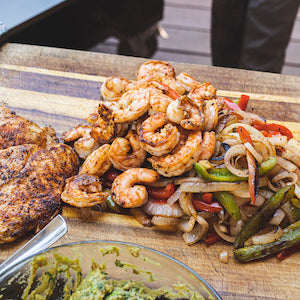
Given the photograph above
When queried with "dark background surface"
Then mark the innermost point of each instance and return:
(81, 24)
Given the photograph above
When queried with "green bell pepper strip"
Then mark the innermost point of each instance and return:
(224, 175)
(263, 215)
(228, 202)
(295, 210)
(113, 205)
(295, 202)
(289, 238)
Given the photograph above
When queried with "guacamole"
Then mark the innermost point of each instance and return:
(96, 286)
(63, 275)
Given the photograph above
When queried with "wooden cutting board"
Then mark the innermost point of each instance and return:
(60, 87)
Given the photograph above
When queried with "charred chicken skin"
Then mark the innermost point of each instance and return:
(33, 169)
(15, 130)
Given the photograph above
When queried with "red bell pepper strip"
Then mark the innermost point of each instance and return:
(252, 164)
(270, 133)
(212, 238)
(200, 205)
(244, 135)
(229, 104)
(207, 197)
(243, 102)
(283, 254)
(161, 193)
(109, 177)
(273, 127)
(111, 174)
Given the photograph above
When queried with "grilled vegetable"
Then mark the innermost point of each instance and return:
(295, 210)
(289, 238)
(225, 147)
(264, 215)
(212, 238)
(200, 205)
(227, 201)
(229, 104)
(252, 164)
(224, 175)
(243, 102)
(113, 205)
(161, 193)
(273, 128)
(207, 197)
(283, 254)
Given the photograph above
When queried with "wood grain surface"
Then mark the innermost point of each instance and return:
(60, 87)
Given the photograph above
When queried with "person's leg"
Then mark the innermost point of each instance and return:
(267, 34)
(135, 25)
(227, 24)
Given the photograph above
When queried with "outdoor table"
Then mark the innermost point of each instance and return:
(60, 87)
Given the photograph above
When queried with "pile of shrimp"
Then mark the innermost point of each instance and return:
(143, 140)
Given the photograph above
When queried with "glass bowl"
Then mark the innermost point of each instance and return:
(122, 260)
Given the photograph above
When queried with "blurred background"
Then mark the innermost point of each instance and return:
(172, 30)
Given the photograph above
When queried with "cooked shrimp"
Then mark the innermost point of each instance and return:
(121, 129)
(126, 153)
(83, 190)
(202, 92)
(165, 89)
(173, 84)
(104, 129)
(112, 105)
(84, 143)
(185, 112)
(156, 86)
(113, 87)
(208, 145)
(85, 146)
(146, 82)
(159, 103)
(155, 69)
(157, 136)
(97, 163)
(77, 133)
(181, 159)
(133, 104)
(211, 114)
(94, 115)
(176, 112)
(187, 81)
(124, 191)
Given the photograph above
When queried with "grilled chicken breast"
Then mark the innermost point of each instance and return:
(33, 169)
(15, 130)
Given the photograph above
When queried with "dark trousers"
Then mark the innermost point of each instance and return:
(252, 34)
